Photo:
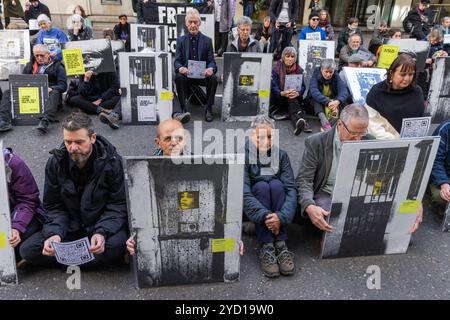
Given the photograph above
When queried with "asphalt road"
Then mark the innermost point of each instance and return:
(422, 273)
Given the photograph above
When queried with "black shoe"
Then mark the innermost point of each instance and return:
(183, 117)
(307, 128)
(209, 116)
(299, 126)
(43, 125)
(5, 126)
(111, 119)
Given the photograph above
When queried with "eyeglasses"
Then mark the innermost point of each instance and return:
(355, 134)
(315, 19)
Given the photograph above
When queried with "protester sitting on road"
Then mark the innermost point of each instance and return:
(194, 39)
(80, 11)
(97, 93)
(378, 36)
(11, 8)
(269, 197)
(318, 168)
(355, 61)
(244, 42)
(122, 31)
(288, 99)
(325, 24)
(444, 27)
(327, 93)
(355, 47)
(352, 28)
(84, 196)
(312, 31)
(264, 34)
(440, 174)
(33, 9)
(398, 96)
(57, 85)
(78, 30)
(27, 212)
(51, 36)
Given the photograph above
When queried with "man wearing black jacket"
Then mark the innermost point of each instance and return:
(57, 85)
(418, 18)
(33, 10)
(84, 196)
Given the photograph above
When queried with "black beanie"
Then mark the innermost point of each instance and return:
(313, 14)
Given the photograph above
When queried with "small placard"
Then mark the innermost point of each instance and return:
(166, 95)
(29, 100)
(223, 245)
(409, 206)
(73, 61)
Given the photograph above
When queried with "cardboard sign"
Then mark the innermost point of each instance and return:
(73, 61)
(388, 53)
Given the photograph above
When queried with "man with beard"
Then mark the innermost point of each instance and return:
(84, 196)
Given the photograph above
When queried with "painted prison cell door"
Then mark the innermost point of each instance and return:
(374, 189)
(246, 75)
(187, 225)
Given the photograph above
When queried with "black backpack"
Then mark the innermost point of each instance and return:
(407, 25)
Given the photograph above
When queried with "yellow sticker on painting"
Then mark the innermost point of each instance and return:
(166, 95)
(3, 240)
(223, 245)
(377, 187)
(23, 61)
(73, 61)
(29, 100)
(264, 93)
(409, 206)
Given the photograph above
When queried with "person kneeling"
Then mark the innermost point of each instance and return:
(269, 198)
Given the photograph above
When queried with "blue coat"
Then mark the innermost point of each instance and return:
(308, 29)
(275, 88)
(254, 210)
(339, 90)
(205, 51)
(58, 37)
(441, 168)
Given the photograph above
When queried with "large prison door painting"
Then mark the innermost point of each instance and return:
(374, 187)
(246, 77)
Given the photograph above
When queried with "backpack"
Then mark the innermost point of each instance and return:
(407, 25)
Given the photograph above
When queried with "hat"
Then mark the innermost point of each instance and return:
(355, 58)
(43, 18)
(313, 14)
(425, 1)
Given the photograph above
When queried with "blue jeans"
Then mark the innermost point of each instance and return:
(272, 196)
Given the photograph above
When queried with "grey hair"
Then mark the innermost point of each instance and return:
(262, 120)
(288, 51)
(41, 47)
(244, 21)
(192, 12)
(327, 64)
(352, 36)
(354, 111)
(445, 18)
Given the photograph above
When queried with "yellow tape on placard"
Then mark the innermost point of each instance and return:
(29, 100)
(409, 206)
(23, 61)
(73, 61)
(264, 93)
(166, 95)
(223, 245)
(3, 240)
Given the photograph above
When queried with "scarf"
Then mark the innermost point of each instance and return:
(351, 28)
(324, 23)
(282, 71)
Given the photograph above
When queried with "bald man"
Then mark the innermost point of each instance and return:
(170, 138)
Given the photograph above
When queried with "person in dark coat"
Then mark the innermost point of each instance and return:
(440, 174)
(195, 46)
(84, 195)
(269, 197)
(96, 93)
(27, 212)
(122, 31)
(78, 30)
(418, 18)
(284, 15)
(12, 8)
(352, 28)
(57, 84)
(34, 10)
(327, 93)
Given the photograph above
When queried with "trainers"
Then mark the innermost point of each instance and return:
(248, 228)
(285, 259)
(208, 115)
(299, 126)
(183, 117)
(111, 119)
(22, 264)
(307, 128)
(268, 261)
(43, 125)
(5, 126)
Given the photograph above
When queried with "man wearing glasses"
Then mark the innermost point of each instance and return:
(313, 31)
(318, 169)
(57, 85)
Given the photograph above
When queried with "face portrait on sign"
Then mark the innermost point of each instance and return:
(188, 200)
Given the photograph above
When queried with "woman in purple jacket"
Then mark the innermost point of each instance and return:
(27, 213)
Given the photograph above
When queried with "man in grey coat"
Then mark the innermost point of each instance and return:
(244, 42)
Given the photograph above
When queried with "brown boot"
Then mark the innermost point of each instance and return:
(285, 259)
(268, 260)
